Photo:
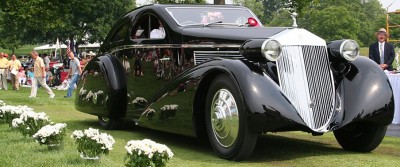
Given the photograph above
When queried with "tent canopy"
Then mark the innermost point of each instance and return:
(90, 45)
(63, 46)
(48, 46)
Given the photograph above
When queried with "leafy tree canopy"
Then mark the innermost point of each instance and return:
(37, 21)
(344, 19)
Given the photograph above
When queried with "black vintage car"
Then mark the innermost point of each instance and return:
(215, 71)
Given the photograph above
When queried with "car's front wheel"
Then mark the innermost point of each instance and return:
(360, 137)
(226, 121)
(109, 124)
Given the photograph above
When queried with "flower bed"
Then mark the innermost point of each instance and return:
(92, 143)
(147, 153)
(8, 113)
(51, 134)
(30, 122)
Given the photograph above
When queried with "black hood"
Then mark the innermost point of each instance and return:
(230, 35)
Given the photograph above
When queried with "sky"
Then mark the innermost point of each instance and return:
(392, 4)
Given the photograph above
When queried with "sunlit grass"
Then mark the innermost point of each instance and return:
(281, 149)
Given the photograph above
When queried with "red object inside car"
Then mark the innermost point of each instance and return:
(252, 22)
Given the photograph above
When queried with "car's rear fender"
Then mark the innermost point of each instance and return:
(102, 89)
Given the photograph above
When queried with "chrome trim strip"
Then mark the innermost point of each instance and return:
(173, 46)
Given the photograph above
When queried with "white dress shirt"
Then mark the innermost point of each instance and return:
(157, 33)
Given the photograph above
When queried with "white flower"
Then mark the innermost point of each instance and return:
(2, 103)
(89, 95)
(17, 122)
(82, 91)
(99, 92)
(148, 148)
(139, 100)
(35, 116)
(77, 134)
(93, 136)
(48, 131)
(169, 107)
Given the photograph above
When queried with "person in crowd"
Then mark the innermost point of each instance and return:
(75, 71)
(46, 60)
(22, 77)
(66, 63)
(40, 76)
(14, 65)
(158, 33)
(381, 51)
(3, 71)
(49, 77)
(30, 76)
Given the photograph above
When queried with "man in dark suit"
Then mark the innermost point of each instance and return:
(381, 51)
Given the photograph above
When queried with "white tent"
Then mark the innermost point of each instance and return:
(63, 46)
(90, 45)
(48, 47)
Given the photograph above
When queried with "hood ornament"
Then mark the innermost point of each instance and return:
(294, 15)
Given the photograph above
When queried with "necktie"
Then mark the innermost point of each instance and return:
(381, 53)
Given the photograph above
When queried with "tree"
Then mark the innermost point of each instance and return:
(253, 5)
(44, 20)
(219, 2)
(179, 1)
(270, 8)
(332, 20)
(335, 22)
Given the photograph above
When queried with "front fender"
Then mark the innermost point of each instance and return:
(368, 95)
(102, 89)
(267, 107)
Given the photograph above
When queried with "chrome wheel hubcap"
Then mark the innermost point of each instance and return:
(224, 118)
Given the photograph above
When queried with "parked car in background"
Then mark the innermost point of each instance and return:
(215, 71)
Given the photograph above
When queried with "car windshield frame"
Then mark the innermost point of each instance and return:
(251, 14)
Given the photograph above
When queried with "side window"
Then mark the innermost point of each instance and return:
(121, 33)
(148, 27)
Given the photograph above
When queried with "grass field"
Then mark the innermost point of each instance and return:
(281, 149)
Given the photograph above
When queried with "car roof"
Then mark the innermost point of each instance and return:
(163, 6)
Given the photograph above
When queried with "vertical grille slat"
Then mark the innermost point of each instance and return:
(202, 56)
(306, 79)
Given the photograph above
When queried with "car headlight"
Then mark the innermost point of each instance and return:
(349, 50)
(261, 50)
(345, 49)
(271, 49)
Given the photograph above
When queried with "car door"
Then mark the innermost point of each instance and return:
(147, 60)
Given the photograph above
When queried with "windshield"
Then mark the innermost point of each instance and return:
(210, 15)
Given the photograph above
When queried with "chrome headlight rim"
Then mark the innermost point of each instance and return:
(344, 53)
(267, 55)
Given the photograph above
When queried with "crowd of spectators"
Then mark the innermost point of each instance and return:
(19, 72)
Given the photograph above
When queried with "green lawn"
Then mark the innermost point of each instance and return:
(281, 149)
(364, 51)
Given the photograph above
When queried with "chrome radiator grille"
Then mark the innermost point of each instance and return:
(306, 80)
